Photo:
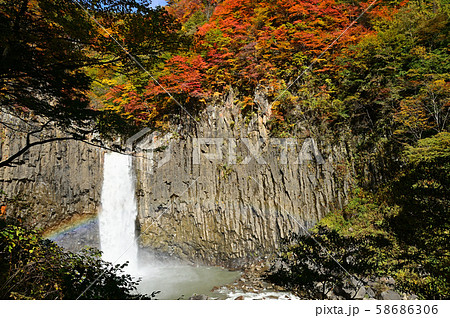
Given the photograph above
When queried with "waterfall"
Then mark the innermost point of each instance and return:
(118, 212)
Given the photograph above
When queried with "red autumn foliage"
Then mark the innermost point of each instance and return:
(246, 43)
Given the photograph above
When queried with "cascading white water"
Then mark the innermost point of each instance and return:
(118, 212)
(118, 242)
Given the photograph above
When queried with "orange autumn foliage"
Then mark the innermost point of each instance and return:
(248, 43)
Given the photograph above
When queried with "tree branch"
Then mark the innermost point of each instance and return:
(10, 161)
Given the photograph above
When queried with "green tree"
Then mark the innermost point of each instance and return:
(33, 268)
(422, 225)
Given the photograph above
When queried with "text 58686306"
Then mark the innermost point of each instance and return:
(415, 309)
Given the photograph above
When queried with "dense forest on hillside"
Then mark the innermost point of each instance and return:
(376, 72)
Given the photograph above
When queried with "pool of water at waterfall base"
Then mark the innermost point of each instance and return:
(183, 281)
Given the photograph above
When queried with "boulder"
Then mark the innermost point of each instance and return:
(198, 297)
(370, 292)
(390, 295)
(361, 293)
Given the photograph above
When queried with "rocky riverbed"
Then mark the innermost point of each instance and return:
(251, 285)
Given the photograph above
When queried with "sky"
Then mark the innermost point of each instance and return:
(158, 3)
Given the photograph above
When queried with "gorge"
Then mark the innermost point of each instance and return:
(188, 210)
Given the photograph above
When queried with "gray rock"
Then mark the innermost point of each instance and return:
(390, 295)
(350, 292)
(56, 184)
(344, 292)
(361, 293)
(219, 212)
(370, 292)
(391, 281)
(330, 295)
(237, 209)
(198, 297)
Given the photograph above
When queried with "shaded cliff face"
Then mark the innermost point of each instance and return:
(54, 184)
(228, 194)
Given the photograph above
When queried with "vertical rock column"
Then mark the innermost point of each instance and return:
(233, 208)
(52, 184)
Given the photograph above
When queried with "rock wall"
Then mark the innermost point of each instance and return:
(52, 184)
(199, 200)
(220, 193)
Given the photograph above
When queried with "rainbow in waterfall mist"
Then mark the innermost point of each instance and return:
(113, 231)
(78, 223)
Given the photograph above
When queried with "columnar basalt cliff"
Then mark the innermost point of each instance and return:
(227, 194)
(222, 193)
(52, 183)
